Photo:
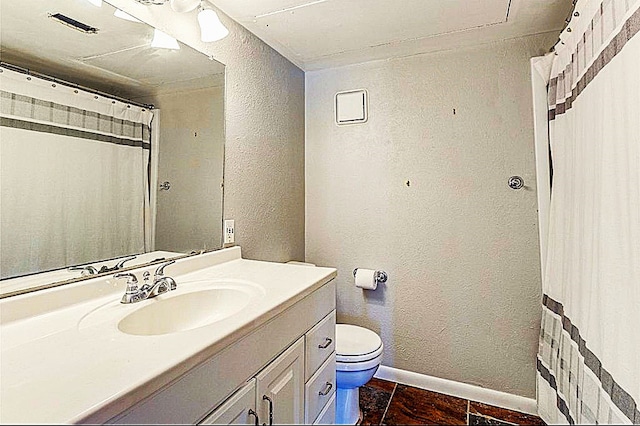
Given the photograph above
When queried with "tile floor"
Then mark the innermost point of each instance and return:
(388, 403)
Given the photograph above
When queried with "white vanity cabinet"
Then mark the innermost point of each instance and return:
(286, 368)
(278, 394)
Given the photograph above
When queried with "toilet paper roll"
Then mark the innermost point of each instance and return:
(366, 278)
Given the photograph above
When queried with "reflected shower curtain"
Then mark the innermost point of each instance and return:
(74, 176)
(589, 355)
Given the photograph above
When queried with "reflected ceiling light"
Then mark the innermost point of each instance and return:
(124, 15)
(96, 2)
(164, 41)
(211, 29)
(184, 5)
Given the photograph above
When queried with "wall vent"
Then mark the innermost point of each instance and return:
(351, 107)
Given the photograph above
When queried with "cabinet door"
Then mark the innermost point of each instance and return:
(282, 383)
(237, 409)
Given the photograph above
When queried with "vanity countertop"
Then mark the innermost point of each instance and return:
(55, 368)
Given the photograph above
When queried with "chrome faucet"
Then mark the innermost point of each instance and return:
(161, 284)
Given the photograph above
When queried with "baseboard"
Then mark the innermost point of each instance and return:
(458, 389)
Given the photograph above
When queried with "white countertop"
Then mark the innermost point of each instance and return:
(55, 371)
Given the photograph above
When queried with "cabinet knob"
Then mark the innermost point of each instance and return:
(326, 390)
(327, 342)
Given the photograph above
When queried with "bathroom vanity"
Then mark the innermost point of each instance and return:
(238, 341)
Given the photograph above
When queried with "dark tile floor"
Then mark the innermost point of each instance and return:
(388, 403)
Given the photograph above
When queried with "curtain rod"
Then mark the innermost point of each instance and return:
(566, 23)
(56, 80)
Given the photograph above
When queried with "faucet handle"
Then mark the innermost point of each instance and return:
(120, 264)
(132, 278)
(131, 294)
(160, 270)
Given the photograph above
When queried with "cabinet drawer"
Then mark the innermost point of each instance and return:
(328, 415)
(320, 342)
(319, 389)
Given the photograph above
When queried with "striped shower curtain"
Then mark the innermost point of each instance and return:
(74, 184)
(589, 355)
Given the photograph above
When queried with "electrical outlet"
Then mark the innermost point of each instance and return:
(229, 231)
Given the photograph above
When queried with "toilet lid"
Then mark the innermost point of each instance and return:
(356, 342)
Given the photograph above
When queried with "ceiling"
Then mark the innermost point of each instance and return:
(316, 34)
(118, 59)
(313, 34)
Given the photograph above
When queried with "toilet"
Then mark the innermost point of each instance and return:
(358, 356)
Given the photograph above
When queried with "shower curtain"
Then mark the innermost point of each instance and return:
(589, 355)
(74, 184)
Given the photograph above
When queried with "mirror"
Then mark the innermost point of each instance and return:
(50, 236)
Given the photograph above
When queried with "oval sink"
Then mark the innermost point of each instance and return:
(184, 312)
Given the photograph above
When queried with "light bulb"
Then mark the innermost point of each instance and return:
(164, 41)
(211, 29)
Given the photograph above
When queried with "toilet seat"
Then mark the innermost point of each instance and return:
(357, 344)
(359, 365)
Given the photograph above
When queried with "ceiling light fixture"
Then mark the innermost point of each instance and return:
(211, 29)
(124, 15)
(164, 41)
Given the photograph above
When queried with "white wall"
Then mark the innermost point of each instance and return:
(264, 125)
(460, 247)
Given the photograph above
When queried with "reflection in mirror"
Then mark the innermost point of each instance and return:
(109, 147)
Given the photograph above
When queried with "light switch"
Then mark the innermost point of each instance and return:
(351, 107)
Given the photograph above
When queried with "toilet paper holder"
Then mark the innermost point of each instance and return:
(379, 276)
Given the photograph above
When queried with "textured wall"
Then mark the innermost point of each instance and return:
(461, 248)
(264, 150)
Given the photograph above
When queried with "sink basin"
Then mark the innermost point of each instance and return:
(184, 312)
(192, 305)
